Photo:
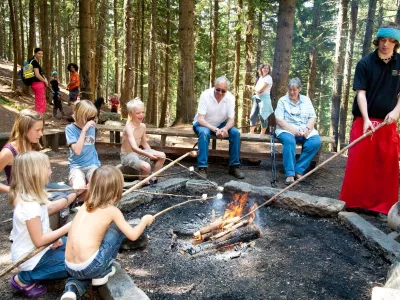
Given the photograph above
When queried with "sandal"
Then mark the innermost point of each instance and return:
(31, 291)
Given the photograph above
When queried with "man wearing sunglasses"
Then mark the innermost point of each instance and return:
(215, 116)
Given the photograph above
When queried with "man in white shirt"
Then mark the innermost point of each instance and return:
(215, 115)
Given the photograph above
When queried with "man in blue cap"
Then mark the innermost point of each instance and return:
(57, 104)
(371, 179)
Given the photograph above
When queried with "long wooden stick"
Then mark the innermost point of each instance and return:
(368, 133)
(182, 203)
(140, 184)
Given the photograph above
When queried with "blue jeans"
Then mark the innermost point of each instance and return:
(310, 148)
(61, 194)
(51, 266)
(102, 263)
(204, 139)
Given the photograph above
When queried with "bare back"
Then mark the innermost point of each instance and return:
(137, 133)
(87, 232)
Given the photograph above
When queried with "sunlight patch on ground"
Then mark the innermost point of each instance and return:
(175, 290)
(140, 272)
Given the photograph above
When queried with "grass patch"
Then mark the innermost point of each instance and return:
(4, 101)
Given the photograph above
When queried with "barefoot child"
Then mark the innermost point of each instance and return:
(31, 228)
(97, 233)
(83, 159)
(25, 136)
(134, 135)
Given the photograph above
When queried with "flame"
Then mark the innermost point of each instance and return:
(252, 213)
(235, 208)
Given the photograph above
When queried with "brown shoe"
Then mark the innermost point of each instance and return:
(203, 172)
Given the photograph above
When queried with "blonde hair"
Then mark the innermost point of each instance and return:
(135, 103)
(105, 187)
(83, 110)
(29, 178)
(23, 123)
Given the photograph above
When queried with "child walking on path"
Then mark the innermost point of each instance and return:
(97, 233)
(57, 103)
(31, 228)
(134, 135)
(81, 137)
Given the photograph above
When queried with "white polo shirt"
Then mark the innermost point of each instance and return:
(215, 113)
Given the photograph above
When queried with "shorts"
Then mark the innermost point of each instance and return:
(134, 160)
(73, 94)
(81, 173)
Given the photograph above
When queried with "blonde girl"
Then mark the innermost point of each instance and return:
(25, 135)
(97, 233)
(81, 137)
(31, 229)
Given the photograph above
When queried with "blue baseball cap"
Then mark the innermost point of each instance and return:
(54, 73)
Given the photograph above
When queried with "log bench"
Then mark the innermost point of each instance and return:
(51, 138)
(115, 138)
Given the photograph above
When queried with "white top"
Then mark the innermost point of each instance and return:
(22, 243)
(215, 113)
(296, 115)
(264, 80)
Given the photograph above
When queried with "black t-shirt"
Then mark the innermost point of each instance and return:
(381, 81)
(36, 65)
(54, 85)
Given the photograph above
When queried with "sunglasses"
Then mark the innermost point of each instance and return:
(220, 91)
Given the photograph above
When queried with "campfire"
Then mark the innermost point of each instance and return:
(233, 228)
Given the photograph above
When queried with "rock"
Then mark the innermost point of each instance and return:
(140, 243)
(394, 217)
(199, 187)
(305, 203)
(393, 277)
(379, 293)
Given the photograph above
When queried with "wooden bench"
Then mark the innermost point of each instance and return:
(115, 138)
(51, 138)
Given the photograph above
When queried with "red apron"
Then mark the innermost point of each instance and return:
(371, 180)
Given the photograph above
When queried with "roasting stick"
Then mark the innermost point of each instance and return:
(22, 260)
(368, 133)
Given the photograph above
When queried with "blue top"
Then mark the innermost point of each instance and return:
(88, 156)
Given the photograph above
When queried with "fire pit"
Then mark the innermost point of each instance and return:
(294, 256)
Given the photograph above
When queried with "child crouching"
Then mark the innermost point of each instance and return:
(31, 229)
(97, 233)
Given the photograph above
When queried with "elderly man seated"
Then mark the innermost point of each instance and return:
(215, 115)
(295, 119)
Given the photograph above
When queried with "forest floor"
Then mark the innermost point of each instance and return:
(259, 274)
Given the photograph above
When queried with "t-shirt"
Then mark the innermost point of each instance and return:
(36, 65)
(114, 102)
(381, 81)
(264, 80)
(88, 156)
(74, 77)
(54, 85)
(22, 242)
(215, 113)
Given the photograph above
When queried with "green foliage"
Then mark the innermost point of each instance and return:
(4, 101)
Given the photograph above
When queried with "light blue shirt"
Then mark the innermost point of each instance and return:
(296, 115)
(88, 156)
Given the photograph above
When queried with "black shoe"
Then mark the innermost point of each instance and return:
(234, 170)
(203, 172)
(70, 293)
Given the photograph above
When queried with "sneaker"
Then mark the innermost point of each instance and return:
(203, 172)
(103, 280)
(234, 170)
(70, 292)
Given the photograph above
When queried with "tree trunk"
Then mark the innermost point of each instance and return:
(369, 27)
(116, 66)
(312, 75)
(52, 38)
(347, 75)
(164, 106)
(227, 66)
(22, 34)
(67, 48)
(283, 49)
(338, 71)
(126, 91)
(259, 39)
(151, 103)
(185, 102)
(14, 26)
(214, 43)
(398, 13)
(2, 31)
(380, 14)
(236, 75)
(102, 19)
(137, 49)
(59, 45)
(142, 49)
(84, 49)
(92, 51)
(249, 75)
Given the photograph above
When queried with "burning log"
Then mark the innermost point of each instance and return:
(218, 224)
(221, 234)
